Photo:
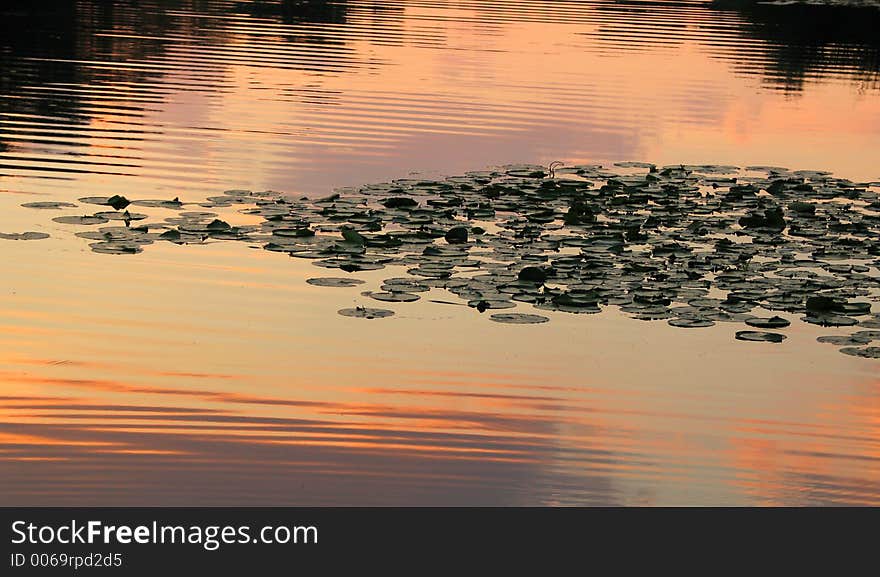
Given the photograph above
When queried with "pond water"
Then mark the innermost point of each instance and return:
(214, 374)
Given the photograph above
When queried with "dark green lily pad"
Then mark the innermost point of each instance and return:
(173, 204)
(691, 323)
(399, 202)
(334, 281)
(30, 235)
(366, 313)
(48, 205)
(303, 232)
(821, 304)
(518, 318)
(87, 220)
(864, 352)
(758, 336)
(118, 202)
(457, 235)
(770, 323)
(830, 320)
(393, 297)
(353, 236)
(101, 200)
(172, 235)
(843, 340)
(218, 225)
(532, 274)
(870, 335)
(116, 247)
(121, 215)
(855, 308)
(486, 304)
(404, 285)
(347, 265)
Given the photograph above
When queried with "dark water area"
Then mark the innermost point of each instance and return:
(215, 374)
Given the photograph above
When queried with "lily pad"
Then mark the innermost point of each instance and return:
(830, 320)
(864, 352)
(101, 200)
(518, 318)
(173, 204)
(770, 323)
(404, 285)
(112, 247)
(758, 336)
(457, 235)
(393, 297)
(843, 340)
(870, 335)
(399, 202)
(30, 235)
(532, 274)
(366, 313)
(49, 205)
(486, 304)
(121, 215)
(118, 202)
(691, 323)
(334, 281)
(353, 236)
(87, 220)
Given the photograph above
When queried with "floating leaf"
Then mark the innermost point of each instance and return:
(49, 205)
(303, 232)
(518, 318)
(334, 281)
(830, 320)
(399, 202)
(118, 202)
(865, 352)
(771, 323)
(760, 336)
(393, 297)
(457, 235)
(23, 235)
(821, 304)
(173, 204)
(366, 313)
(853, 308)
(113, 247)
(102, 200)
(486, 304)
(869, 335)
(691, 323)
(842, 341)
(172, 235)
(85, 220)
(404, 285)
(532, 274)
(353, 236)
(218, 225)
(121, 215)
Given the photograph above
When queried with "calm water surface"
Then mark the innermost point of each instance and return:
(215, 375)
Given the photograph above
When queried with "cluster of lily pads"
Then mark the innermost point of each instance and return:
(692, 245)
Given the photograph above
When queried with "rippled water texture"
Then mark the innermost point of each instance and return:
(214, 374)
